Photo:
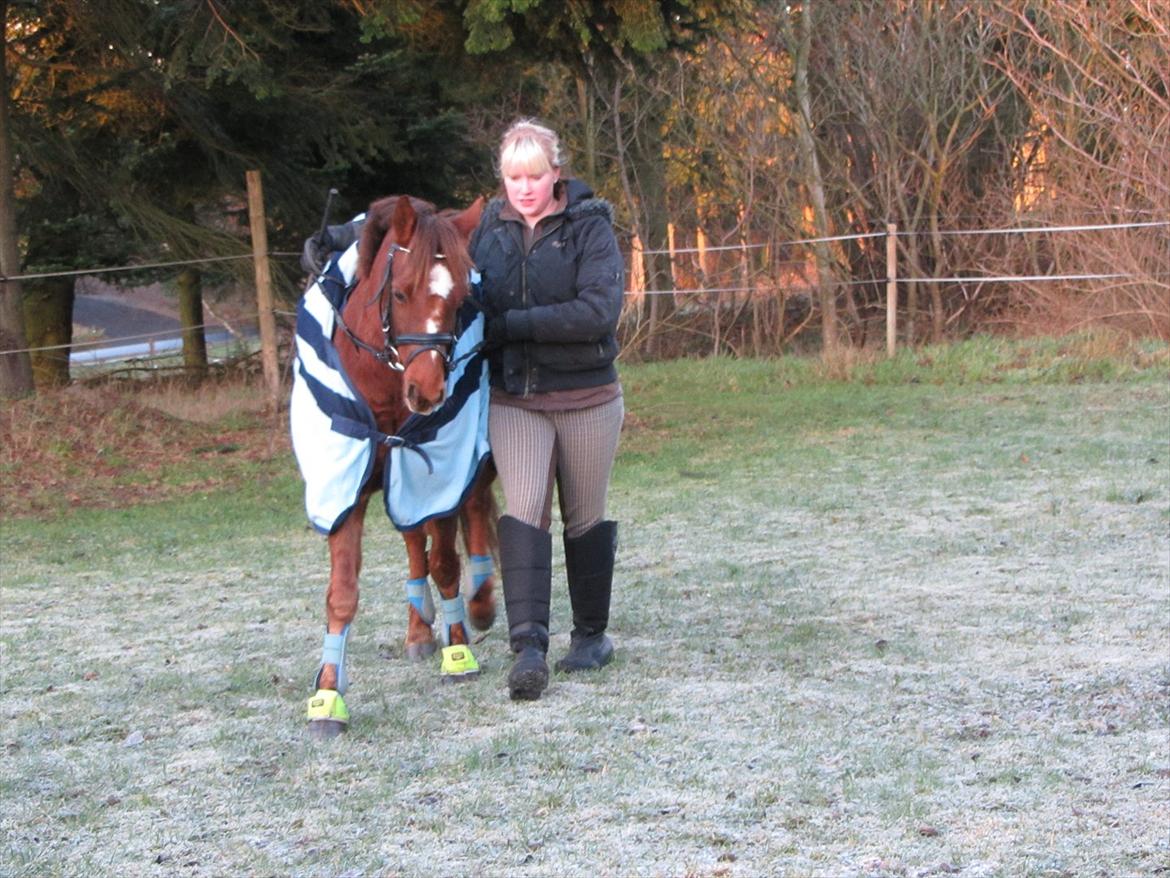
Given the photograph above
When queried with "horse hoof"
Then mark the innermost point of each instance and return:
(326, 729)
(327, 715)
(416, 652)
(459, 678)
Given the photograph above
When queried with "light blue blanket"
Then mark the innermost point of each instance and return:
(433, 460)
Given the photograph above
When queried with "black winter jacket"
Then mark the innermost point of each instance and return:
(562, 300)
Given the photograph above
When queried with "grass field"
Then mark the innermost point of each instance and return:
(914, 623)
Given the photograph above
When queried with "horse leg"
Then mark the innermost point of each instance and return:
(458, 662)
(420, 637)
(327, 713)
(479, 513)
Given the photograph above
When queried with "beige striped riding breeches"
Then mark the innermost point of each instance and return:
(573, 449)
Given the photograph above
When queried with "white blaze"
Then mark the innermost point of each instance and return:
(441, 283)
(441, 286)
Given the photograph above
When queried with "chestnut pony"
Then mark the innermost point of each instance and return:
(394, 338)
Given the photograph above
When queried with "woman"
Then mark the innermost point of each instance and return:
(552, 287)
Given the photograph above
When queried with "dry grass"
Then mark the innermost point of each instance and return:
(211, 402)
(131, 443)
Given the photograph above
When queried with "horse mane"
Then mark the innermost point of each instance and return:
(434, 232)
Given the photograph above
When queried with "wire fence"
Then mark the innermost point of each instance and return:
(635, 251)
(140, 266)
(775, 246)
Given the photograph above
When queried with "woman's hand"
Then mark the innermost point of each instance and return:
(495, 333)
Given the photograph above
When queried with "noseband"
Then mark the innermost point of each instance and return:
(439, 342)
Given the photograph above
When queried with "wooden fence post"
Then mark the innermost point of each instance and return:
(891, 288)
(264, 301)
(637, 267)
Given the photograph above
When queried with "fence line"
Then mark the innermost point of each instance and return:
(88, 345)
(178, 332)
(1116, 209)
(109, 342)
(1009, 278)
(829, 239)
(906, 233)
(910, 233)
(1035, 229)
(81, 271)
(908, 280)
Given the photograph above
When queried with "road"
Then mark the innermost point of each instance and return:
(129, 331)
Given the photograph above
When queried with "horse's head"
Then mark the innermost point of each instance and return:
(421, 256)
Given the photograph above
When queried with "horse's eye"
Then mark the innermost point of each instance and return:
(399, 296)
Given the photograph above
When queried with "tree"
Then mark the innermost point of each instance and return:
(15, 368)
(1098, 81)
(734, 181)
(799, 41)
(190, 288)
(165, 107)
(61, 236)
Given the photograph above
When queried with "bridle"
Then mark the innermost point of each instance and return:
(439, 342)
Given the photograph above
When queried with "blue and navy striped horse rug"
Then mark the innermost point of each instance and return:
(433, 460)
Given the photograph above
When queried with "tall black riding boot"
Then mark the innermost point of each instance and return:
(589, 566)
(526, 565)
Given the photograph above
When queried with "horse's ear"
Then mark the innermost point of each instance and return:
(404, 221)
(467, 221)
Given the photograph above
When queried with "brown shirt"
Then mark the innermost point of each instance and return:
(560, 400)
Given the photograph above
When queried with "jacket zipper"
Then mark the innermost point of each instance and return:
(524, 302)
(528, 368)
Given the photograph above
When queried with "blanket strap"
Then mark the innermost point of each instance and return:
(357, 430)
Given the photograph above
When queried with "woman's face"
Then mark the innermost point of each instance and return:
(530, 192)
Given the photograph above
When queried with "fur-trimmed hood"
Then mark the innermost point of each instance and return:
(581, 203)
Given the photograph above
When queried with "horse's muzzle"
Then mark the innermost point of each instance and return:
(420, 406)
(426, 383)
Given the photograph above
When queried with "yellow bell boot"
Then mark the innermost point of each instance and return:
(458, 664)
(327, 714)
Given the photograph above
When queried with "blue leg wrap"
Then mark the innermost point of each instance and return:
(418, 595)
(333, 653)
(481, 570)
(453, 612)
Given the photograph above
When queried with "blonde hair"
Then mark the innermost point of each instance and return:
(530, 147)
